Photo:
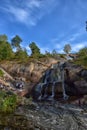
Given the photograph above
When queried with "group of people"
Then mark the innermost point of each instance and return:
(19, 85)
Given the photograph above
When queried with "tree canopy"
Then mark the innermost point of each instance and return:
(35, 51)
(21, 54)
(67, 48)
(15, 42)
(3, 37)
(5, 50)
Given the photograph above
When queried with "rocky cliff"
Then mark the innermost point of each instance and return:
(46, 73)
(31, 71)
(44, 79)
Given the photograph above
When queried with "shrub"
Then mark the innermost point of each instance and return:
(82, 57)
(8, 103)
(1, 73)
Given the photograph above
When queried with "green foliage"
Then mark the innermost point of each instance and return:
(35, 51)
(82, 57)
(84, 61)
(3, 38)
(15, 42)
(55, 54)
(82, 52)
(48, 54)
(62, 55)
(21, 54)
(1, 73)
(8, 103)
(67, 48)
(5, 50)
(52, 54)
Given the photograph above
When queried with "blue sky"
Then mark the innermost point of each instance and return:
(49, 23)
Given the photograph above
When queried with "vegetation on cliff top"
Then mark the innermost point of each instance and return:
(82, 57)
(13, 50)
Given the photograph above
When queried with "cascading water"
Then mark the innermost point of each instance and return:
(53, 91)
(46, 80)
(52, 76)
(41, 86)
(65, 96)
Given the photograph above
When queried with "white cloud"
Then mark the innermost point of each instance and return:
(60, 51)
(44, 49)
(60, 42)
(33, 3)
(78, 46)
(19, 14)
(27, 48)
(28, 12)
(74, 36)
(58, 46)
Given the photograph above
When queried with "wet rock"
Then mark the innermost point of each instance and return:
(81, 87)
(83, 74)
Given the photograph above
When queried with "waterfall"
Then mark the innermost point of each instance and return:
(65, 96)
(45, 94)
(41, 86)
(47, 76)
(54, 75)
(53, 91)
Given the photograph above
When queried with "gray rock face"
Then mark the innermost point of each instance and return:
(38, 74)
(54, 82)
(76, 80)
(46, 116)
(83, 73)
(50, 115)
(81, 86)
(31, 71)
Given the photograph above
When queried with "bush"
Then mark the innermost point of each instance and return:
(1, 73)
(82, 57)
(8, 103)
(62, 55)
